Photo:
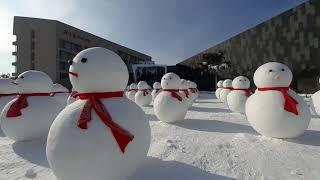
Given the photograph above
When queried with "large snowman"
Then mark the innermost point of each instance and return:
(237, 98)
(143, 96)
(275, 110)
(227, 88)
(315, 102)
(219, 89)
(169, 106)
(60, 93)
(30, 115)
(8, 91)
(103, 135)
(156, 90)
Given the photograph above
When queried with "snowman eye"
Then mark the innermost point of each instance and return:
(245, 80)
(170, 78)
(240, 80)
(21, 77)
(282, 69)
(84, 60)
(270, 70)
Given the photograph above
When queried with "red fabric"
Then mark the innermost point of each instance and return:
(174, 93)
(290, 104)
(122, 136)
(193, 90)
(145, 91)
(186, 92)
(74, 94)
(246, 91)
(230, 88)
(21, 103)
(157, 90)
(12, 94)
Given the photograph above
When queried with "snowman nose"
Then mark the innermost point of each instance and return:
(277, 77)
(70, 62)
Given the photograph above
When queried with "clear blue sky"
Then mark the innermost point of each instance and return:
(168, 30)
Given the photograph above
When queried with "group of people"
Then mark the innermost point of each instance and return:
(100, 131)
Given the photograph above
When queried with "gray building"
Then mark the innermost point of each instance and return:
(47, 45)
(292, 37)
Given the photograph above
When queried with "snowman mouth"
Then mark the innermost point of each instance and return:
(73, 74)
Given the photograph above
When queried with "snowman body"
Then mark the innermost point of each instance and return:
(315, 103)
(219, 89)
(237, 98)
(93, 153)
(143, 96)
(266, 109)
(225, 91)
(185, 93)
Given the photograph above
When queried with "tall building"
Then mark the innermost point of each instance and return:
(47, 45)
(293, 38)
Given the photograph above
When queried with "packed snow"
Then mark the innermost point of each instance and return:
(211, 143)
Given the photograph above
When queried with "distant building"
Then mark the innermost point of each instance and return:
(292, 37)
(47, 45)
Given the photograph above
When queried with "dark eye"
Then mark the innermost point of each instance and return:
(282, 69)
(21, 77)
(84, 60)
(240, 80)
(170, 78)
(270, 70)
(164, 78)
(245, 80)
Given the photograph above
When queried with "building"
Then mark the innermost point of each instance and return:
(292, 37)
(47, 45)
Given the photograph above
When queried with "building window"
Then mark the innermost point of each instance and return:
(32, 45)
(32, 34)
(64, 66)
(65, 56)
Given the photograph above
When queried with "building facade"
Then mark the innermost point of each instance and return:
(47, 45)
(292, 38)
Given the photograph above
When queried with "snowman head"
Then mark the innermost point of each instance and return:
(34, 82)
(143, 85)
(194, 85)
(156, 85)
(184, 84)
(133, 86)
(227, 83)
(98, 70)
(220, 84)
(7, 86)
(59, 88)
(170, 81)
(189, 83)
(272, 74)
(241, 82)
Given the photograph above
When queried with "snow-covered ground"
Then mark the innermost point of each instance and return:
(211, 143)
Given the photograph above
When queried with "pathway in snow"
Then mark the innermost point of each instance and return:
(212, 143)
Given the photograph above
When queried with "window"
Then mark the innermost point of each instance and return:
(64, 66)
(32, 45)
(32, 56)
(32, 34)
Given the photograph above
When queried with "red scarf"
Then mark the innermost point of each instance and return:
(122, 136)
(74, 94)
(157, 90)
(12, 94)
(193, 90)
(186, 92)
(21, 103)
(290, 104)
(230, 88)
(174, 93)
(246, 91)
(145, 91)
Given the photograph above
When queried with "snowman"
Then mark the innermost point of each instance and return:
(315, 102)
(8, 91)
(143, 96)
(169, 106)
(275, 110)
(103, 135)
(192, 90)
(237, 98)
(30, 115)
(132, 91)
(227, 88)
(156, 90)
(60, 93)
(183, 89)
(219, 89)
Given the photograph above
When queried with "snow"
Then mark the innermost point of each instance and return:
(212, 143)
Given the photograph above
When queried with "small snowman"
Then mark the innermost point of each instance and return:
(103, 135)
(143, 96)
(132, 91)
(156, 90)
(30, 115)
(275, 110)
(219, 89)
(183, 89)
(192, 90)
(60, 93)
(237, 98)
(227, 88)
(315, 102)
(8, 91)
(169, 106)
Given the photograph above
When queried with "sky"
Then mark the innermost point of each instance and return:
(168, 30)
